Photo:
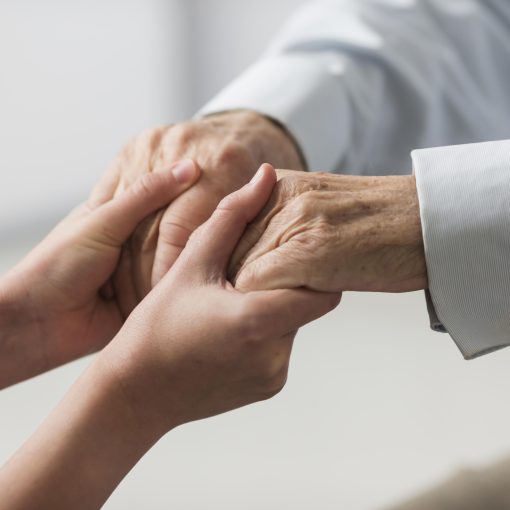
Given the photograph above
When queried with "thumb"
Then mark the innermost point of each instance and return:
(114, 222)
(211, 245)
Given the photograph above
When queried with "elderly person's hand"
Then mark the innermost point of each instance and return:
(55, 305)
(228, 147)
(335, 233)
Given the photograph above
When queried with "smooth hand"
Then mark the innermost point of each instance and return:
(335, 233)
(195, 347)
(56, 305)
(227, 147)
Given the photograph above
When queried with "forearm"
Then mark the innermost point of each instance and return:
(31, 340)
(338, 79)
(80, 453)
(21, 354)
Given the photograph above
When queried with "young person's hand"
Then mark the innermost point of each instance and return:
(195, 347)
(57, 304)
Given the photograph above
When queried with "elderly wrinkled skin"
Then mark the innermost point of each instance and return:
(334, 233)
(227, 147)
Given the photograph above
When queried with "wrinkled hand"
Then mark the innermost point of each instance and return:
(334, 233)
(228, 148)
(57, 293)
(195, 346)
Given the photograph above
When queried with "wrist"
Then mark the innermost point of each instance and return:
(418, 261)
(267, 139)
(21, 353)
(123, 374)
(399, 235)
(111, 388)
(93, 432)
(379, 228)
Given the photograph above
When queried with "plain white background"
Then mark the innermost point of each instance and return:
(376, 407)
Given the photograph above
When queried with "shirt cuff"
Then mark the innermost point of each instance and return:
(304, 94)
(464, 196)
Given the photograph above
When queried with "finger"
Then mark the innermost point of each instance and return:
(285, 310)
(212, 244)
(135, 158)
(125, 291)
(253, 236)
(143, 245)
(115, 221)
(105, 189)
(179, 221)
(183, 217)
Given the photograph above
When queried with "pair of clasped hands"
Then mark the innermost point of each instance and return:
(191, 267)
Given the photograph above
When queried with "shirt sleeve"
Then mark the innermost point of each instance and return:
(361, 83)
(464, 195)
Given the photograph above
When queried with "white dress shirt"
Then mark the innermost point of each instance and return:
(362, 83)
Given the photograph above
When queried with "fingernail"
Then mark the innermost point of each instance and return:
(184, 171)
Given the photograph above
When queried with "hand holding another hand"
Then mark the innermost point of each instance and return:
(334, 233)
(227, 147)
(196, 347)
(56, 305)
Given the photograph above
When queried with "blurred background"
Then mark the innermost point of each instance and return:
(377, 406)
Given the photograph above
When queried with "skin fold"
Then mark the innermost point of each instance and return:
(334, 233)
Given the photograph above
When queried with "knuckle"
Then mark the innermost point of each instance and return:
(291, 181)
(294, 184)
(305, 204)
(175, 230)
(228, 204)
(230, 208)
(235, 153)
(286, 177)
(139, 152)
(288, 188)
(144, 185)
(129, 149)
(150, 139)
(183, 133)
(108, 237)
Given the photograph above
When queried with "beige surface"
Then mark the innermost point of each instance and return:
(482, 489)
